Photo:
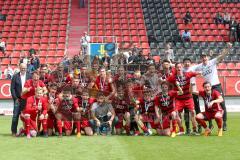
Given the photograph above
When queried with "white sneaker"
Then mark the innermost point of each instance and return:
(150, 132)
(180, 133)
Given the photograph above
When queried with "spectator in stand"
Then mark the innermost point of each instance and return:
(2, 46)
(34, 59)
(168, 53)
(135, 49)
(233, 29)
(24, 58)
(238, 32)
(186, 36)
(139, 58)
(187, 18)
(8, 72)
(30, 67)
(226, 18)
(218, 19)
(81, 3)
(85, 40)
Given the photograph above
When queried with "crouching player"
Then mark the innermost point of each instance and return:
(213, 110)
(66, 106)
(35, 111)
(85, 103)
(145, 113)
(166, 111)
(103, 115)
(120, 105)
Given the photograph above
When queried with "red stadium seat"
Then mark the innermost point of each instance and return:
(230, 65)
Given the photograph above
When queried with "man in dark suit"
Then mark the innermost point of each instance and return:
(17, 84)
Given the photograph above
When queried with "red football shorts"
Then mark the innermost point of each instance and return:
(85, 123)
(165, 123)
(67, 125)
(211, 115)
(119, 124)
(182, 104)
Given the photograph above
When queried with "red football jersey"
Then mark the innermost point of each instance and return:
(30, 84)
(184, 82)
(208, 98)
(86, 105)
(32, 106)
(104, 86)
(166, 102)
(146, 106)
(120, 106)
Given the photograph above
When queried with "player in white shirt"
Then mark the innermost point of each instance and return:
(210, 74)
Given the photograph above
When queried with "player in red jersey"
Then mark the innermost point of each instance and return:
(85, 102)
(44, 76)
(35, 111)
(51, 121)
(145, 112)
(213, 110)
(165, 110)
(31, 84)
(66, 105)
(120, 105)
(104, 84)
(166, 70)
(185, 100)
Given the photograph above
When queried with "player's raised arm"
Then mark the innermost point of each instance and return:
(224, 52)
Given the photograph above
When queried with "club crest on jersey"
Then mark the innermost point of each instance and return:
(67, 105)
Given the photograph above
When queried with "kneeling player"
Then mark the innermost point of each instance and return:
(66, 105)
(103, 115)
(213, 110)
(120, 105)
(85, 107)
(166, 112)
(36, 108)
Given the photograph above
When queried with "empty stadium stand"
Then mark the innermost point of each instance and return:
(38, 24)
(123, 19)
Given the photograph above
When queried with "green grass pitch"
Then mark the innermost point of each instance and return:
(123, 147)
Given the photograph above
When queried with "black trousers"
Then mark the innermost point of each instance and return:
(218, 87)
(18, 107)
(196, 104)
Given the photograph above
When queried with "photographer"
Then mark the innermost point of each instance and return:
(103, 115)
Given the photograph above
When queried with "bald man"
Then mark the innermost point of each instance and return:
(17, 84)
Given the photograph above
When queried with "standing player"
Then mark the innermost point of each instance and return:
(165, 110)
(51, 120)
(104, 84)
(185, 100)
(210, 74)
(187, 68)
(66, 105)
(212, 99)
(167, 69)
(35, 112)
(31, 85)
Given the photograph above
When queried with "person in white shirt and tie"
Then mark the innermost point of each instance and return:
(17, 84)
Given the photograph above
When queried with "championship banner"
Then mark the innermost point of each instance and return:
(232, 86)
(5, 92)
(98, 49)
